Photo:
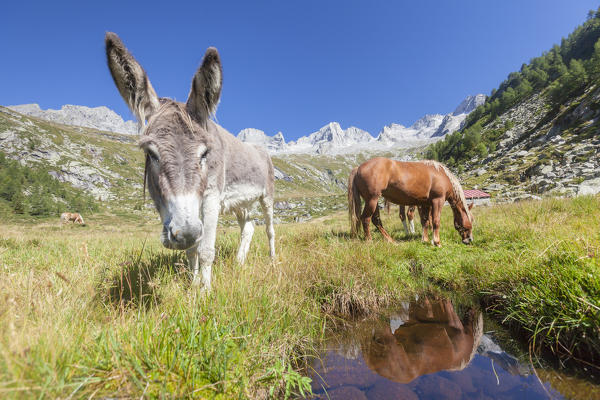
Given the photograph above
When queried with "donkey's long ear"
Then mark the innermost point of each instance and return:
(206, 87)
(131, 79)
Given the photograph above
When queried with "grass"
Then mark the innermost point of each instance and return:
(105, 311)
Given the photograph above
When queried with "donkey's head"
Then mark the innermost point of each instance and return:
(175, 139)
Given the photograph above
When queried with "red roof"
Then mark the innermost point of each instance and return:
(476, 194)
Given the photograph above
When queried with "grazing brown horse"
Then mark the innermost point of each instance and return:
(427, 184)
(72, 217)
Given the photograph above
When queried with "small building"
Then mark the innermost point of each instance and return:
(479, 197)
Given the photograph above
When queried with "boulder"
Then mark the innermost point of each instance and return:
(589, 187)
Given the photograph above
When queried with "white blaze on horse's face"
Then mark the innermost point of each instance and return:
(176, 175)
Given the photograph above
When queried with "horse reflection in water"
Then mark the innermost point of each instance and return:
(426, 337)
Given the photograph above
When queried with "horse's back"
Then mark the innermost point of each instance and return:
(403, 182)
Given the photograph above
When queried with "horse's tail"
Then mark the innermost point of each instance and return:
(353, 204)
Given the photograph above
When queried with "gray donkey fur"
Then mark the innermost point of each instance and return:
(194, 168)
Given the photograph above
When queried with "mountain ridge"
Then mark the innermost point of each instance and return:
(332, 139)
(101, 118)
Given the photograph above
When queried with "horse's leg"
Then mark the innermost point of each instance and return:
(368, 211)
(424, 214)
(206, 250)
(386, 205)
(379, 225)
(411, 219)
(402, 215)
(247, 230)
(436, 214)
(267, 206)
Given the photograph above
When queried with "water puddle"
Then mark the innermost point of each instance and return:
(430, 349)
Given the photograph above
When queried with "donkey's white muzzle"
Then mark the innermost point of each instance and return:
(182, 227)
(181, 237)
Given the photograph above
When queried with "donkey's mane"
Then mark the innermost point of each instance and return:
(457, 190)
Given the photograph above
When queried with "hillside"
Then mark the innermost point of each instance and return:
(538, 133)
(106, 169)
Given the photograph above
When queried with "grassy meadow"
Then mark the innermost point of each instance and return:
(103, 310)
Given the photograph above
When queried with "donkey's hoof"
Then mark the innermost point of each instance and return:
(199, 286)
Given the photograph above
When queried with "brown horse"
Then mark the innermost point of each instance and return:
(71, 217)
(427, 184)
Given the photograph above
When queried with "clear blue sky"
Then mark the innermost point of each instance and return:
(289, 66)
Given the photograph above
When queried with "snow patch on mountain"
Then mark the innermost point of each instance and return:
(274, 143)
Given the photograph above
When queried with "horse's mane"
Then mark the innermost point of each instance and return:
(457, 189)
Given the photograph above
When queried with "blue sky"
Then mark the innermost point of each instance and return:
(290, 66)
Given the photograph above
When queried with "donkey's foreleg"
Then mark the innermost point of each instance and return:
(206, 250)
(247, 230)
(192, 256)
(267, 206)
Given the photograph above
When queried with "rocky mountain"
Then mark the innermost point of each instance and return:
(104, 165)
(101, 118)
(274, 143)
(454, 121)
(538, 134)
(423, 129)
(108, 168)
(332, 139)
(541, 151)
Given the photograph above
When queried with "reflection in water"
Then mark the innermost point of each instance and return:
(423, 351)
(430, 337)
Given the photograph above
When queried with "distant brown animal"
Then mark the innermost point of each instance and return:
(427, 184)
(431, 338)
(72, 217)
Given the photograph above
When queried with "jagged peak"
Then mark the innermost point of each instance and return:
(470, 103)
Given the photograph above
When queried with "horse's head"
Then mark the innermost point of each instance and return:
(175, 139)
(463, 222)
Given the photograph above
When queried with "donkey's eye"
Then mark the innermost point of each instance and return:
(203, 157)
(152, 155)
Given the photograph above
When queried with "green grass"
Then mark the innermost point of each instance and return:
(104, 310)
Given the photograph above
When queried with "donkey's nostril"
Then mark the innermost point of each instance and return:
(174, 233)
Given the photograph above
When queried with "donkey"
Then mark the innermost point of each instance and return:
(194, 168)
